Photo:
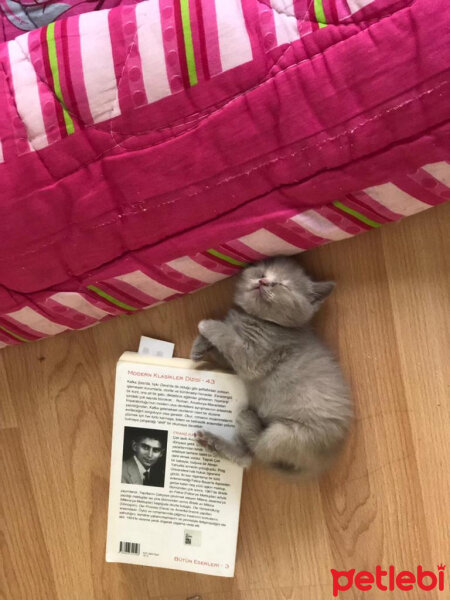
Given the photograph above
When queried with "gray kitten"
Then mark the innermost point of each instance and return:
(299, 408)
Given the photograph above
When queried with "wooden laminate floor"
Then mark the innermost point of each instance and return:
(386, 502)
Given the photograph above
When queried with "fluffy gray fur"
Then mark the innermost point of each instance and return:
(299, 408)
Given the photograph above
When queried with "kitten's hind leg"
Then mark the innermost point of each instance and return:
(249, 427)
(236, 450)
(290, 450)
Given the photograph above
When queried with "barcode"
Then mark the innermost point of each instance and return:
(129, 548)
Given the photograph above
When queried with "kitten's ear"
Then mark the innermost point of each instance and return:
(321, 290)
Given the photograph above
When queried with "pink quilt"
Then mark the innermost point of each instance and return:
(148, 149)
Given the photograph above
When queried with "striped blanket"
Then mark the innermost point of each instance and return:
(148, 149)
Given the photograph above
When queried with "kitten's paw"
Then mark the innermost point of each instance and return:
(207, 440)
(204, 325)
(200, 348)
(209, 327)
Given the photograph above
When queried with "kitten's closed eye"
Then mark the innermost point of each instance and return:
(272, 283)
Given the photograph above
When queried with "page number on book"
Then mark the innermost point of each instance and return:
(129, 548)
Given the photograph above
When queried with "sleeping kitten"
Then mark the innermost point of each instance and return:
(299, 407)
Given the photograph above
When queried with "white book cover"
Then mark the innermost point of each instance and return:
(172, 504)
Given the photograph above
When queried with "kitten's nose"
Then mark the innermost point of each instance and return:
(264, 281)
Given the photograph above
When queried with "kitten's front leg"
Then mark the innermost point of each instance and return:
(244, 361)
(236, 451)
(225, 339)
(213, 330)
(200, 348)
(220, 335)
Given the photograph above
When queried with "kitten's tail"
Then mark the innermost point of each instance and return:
(292, 472)
(286, 468)
(295, 473)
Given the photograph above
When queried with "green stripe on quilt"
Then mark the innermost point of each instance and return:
(356, 214)
(111, 299)
(53, 58)
(188, 44)
(14, 335)
(320, 13)
(228, 259)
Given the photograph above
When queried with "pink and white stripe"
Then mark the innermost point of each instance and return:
(395, 199)
(72, 319)
(220, 269)
(267, 243)
(98, 66)
(250, 254)
(302, 12)
(76, 68)
(151, 287)
(151, 51)
(170, 46)
(285, 21)
(130, 84)
(193, 269)
(234, 42)
(267, 26)
(80, 304)
(34, 322)
(441, 172)
(47, 98)
(26, 92)
(319, 225)
(355, 5)
(212, 35)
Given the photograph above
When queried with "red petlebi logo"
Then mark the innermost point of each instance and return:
(388, 580)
